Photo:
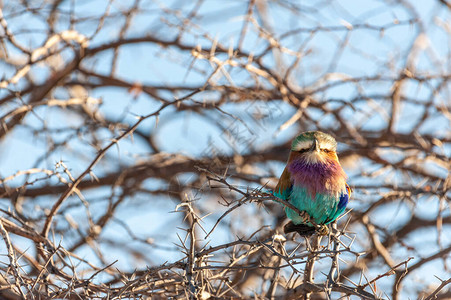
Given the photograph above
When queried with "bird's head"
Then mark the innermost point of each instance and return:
(314, 147)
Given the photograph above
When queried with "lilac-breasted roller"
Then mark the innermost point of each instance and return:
(313, 181)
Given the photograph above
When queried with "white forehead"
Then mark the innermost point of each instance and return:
(325, 144)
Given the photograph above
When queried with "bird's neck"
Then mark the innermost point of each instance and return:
(325, 177)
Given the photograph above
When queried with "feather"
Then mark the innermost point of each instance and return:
(349, 190)
(341, 205)
(284, 186)
(322, 208)
(323, 178)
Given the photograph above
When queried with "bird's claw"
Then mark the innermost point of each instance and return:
(323, 230)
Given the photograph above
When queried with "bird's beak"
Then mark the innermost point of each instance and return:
(315, 146)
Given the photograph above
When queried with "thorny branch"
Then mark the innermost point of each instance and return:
(115, 113)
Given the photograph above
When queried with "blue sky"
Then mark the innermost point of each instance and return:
(190, 134)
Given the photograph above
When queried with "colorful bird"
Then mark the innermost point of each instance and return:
(314, 182)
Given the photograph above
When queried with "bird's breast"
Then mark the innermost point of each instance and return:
(324, 178)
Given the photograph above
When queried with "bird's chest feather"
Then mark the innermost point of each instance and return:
(326, 178)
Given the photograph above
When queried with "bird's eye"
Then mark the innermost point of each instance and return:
(303, 150)
(326, 150)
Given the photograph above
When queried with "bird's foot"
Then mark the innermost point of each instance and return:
(323, 230)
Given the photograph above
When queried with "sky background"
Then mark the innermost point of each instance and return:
(365, 54)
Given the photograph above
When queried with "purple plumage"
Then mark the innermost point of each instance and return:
(320, 177)
(313, 181)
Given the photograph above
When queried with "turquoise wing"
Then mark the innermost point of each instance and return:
(342, 203)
